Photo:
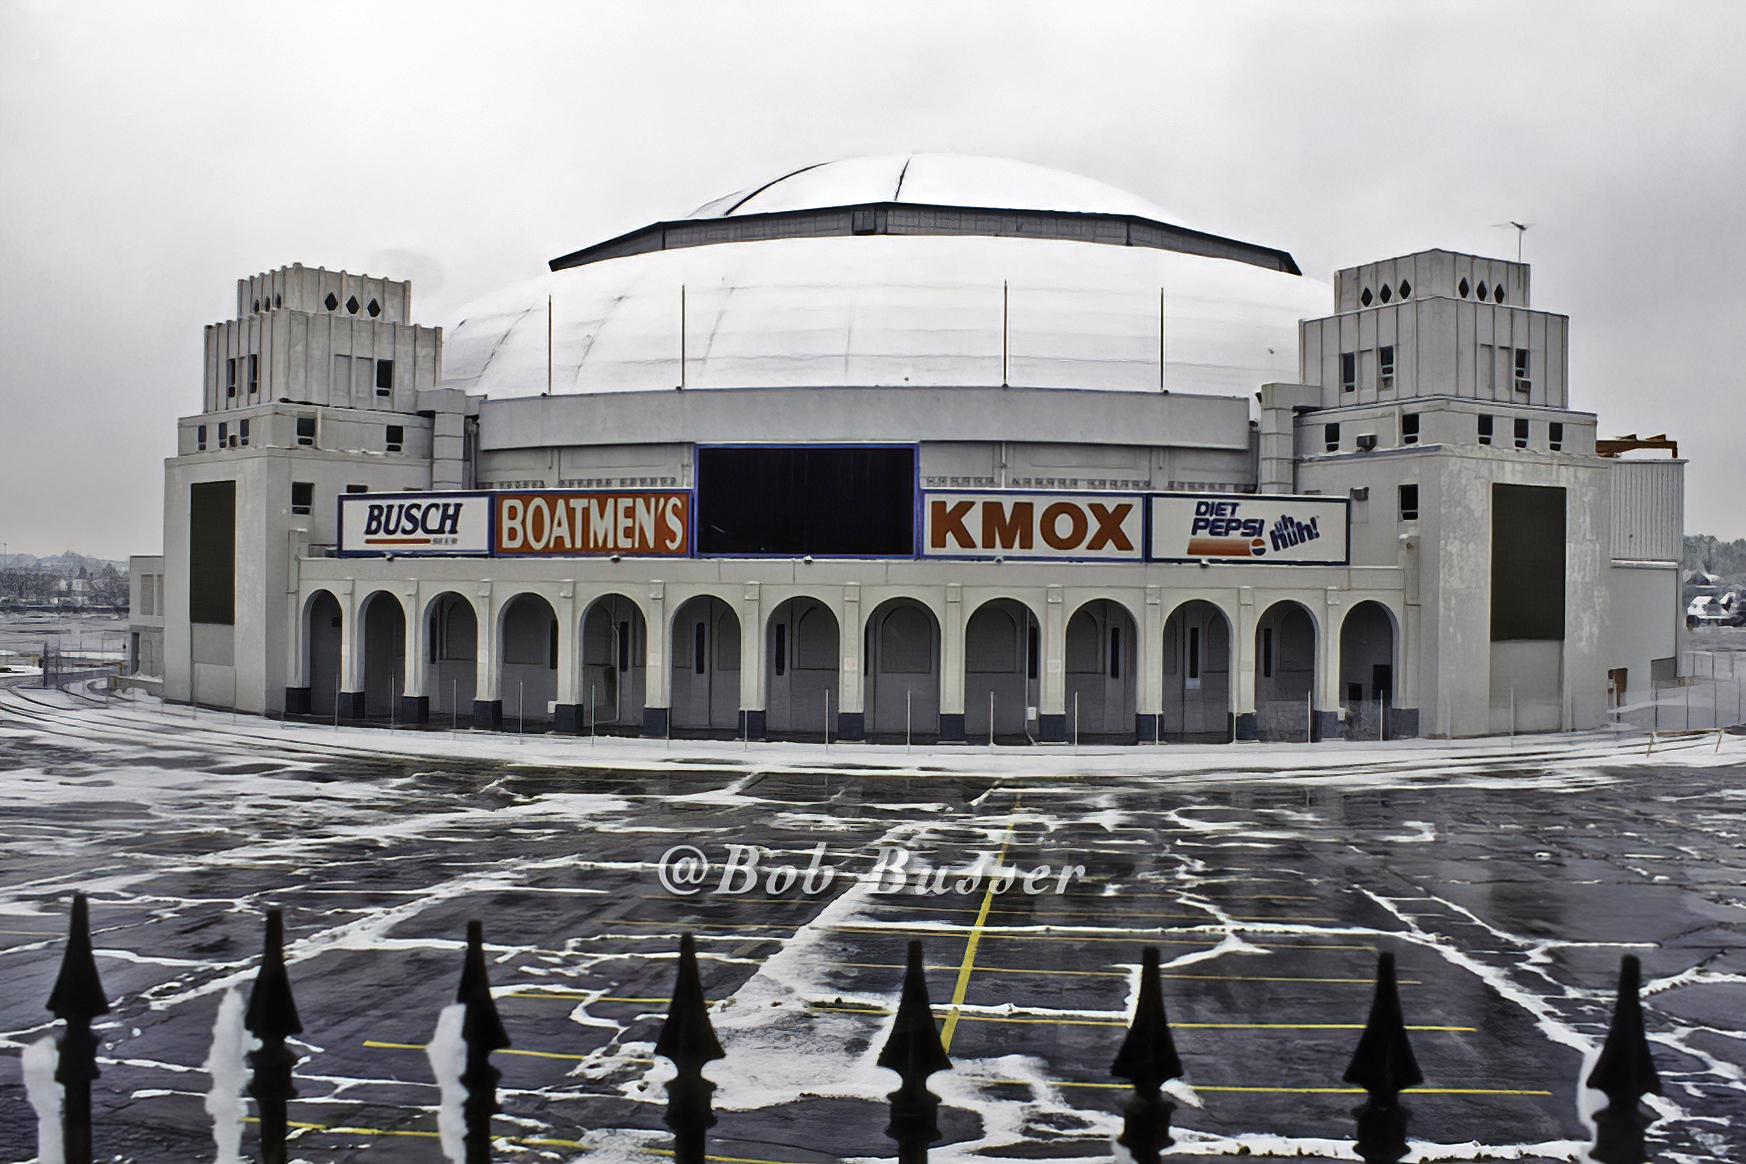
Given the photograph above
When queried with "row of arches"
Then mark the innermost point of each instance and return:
(801, 686)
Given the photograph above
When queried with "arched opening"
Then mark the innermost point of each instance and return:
(1197, 674)
(324, 621)
(384, 645)
(1285, 672)
(452, 663)
(1367, 670)
(902, 665)
(800, 673)
(530, 659)
(1101, 688)
(615, 647)
(706, 668)
(1001, 649)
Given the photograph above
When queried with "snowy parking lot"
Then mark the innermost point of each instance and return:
(1507, 878)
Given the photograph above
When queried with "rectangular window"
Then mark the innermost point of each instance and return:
(552, 646)
(254, 373)
(302, 496)
(396, 437)
(200, 438)
(242, 431)
(781, 649)
(1331, 437)
(357, 488)
(1267, 652)
(384, 377)
(1385, 367)
(1033, 643)
(1524, 382)
(1409, 503)
(212, 552)
(699, 648)
(1484, 428)
(230, 377)
(1527, 562)
(1115, 652)
(223, 433)
(306, 430)
(1555, 436)
(1348, 371)
(624, 647)
(1521, 433)
(1194, 652)
(1409, 429)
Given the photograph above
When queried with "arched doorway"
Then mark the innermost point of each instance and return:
(902, 666)
(706, 667)
(1001, 648)
(800, 672)
(323, 620)
(1285, 672)
(1197, 674)
(384, 645)
(615, 648)
(1367, 670)
(530, 660)
(1101, 689)
(452, 664)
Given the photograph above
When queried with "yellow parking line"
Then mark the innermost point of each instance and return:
(969, 962)
(1297, 1090)
(1125, 974)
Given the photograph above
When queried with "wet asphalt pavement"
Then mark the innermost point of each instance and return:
(1508, 882)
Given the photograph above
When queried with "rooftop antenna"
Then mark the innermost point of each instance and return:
(1521, 229)
(1161, 387)
(681, 337)
(548, 344)
(1003, 334)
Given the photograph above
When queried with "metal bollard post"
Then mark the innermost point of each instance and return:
(484, 1033)
(77, 998)
(688, 1039)
(271, 1018)
(914, 1051)
(991, 721)
(1625, 1072)
(1384, 1066)
(1147, 1059)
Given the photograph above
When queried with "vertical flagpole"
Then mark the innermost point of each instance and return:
(1003, 334)
(682, 336)
(1161, 339)
(548, 345)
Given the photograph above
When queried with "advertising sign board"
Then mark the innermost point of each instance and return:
(450, 524)
(1220, 527)
(1033, 525)
(569, 522)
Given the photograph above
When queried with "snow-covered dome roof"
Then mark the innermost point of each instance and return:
(920, 270)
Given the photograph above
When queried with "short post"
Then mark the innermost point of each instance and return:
(1309, 717)
(271, 1018)
(1147, 1059)
(1076, 723)
(1687, 688)
(914, 1051)
(991, 720)
(454, 707)
(907, 718)
(336, 694)
(593, 719)
(827, 721)
(391, 709)
(1512, 717)
(1383, 1065)
(688, 1039)
(1625, 1072)
(483, 1032)
(520, 718)
(77, 998)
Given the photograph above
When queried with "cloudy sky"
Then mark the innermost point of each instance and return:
(150, 154)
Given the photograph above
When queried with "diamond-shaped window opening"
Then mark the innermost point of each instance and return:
(1406, 289)
(332, 300)
(257, 305)
(1462, 288)
(1497, 293)
(1482, 290)
(374, 309)
(352, 305)
(1365, 297)
(1386, 293)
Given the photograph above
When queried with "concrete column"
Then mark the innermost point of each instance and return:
(952, 665)
(488, 673)
(1404, 720)
(657, 677)
(568, 715)
(752, 705)
(414, 702)
(296, 657)
(1149, 665)
(1243, 669)
(1052, 714)
(351, 677)
(852, 720)
(1327, 682)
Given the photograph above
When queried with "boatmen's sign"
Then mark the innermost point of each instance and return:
(451, 524)
(1033, 525)
(566, 523)
(1300, 531)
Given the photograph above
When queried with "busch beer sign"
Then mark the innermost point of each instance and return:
(1250, 528)
(414, 523)
(1032, 525)
(570, 523)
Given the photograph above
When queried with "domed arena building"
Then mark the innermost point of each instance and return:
(921, 447)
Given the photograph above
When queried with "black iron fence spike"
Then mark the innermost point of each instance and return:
(77, 998)
(1625, 1072)
(1384, 1066)
(483, 1033)
(688, 1039)
(914, 1051)
(271, 1017)
(1147, 1059)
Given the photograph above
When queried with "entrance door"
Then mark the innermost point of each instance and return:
(706, 666)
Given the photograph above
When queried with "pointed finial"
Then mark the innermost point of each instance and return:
(1147, 1058)
(688, 1039)
(272, 1012)
(483, 1028)
(1625, 1072)
(1383, 1065)
(272, 1017)
(914, 1051)
(78, 992)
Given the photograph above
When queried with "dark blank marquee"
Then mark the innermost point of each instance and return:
(822, 501)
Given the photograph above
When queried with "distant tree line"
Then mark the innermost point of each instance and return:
(1713, 556)
(33, 585)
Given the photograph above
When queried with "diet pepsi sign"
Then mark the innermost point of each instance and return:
(1251, 527)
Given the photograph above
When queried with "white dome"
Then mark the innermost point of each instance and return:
(890, 309)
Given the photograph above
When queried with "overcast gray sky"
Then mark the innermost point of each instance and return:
(150, 154)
